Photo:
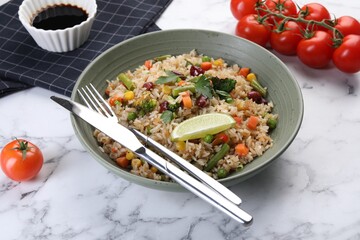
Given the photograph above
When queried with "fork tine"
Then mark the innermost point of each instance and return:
(90, 99)
(103, 102)
(84, 99)
(95, 101)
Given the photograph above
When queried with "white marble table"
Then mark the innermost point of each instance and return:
(311, 192)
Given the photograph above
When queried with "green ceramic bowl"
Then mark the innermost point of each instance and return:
(283, 89)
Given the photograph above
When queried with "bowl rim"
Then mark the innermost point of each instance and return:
(173, 186)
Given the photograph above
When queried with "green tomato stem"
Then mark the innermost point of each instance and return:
(23, 147)
(300, 19)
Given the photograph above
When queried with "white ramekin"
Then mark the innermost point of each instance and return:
(63, 40)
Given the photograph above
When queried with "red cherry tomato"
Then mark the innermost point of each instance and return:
(286, 41)
(285, 7)
(240, 8)
(346, 57)
(347, 25)
(21, 160)
(316, 51)
(250, 28)
(316, 12)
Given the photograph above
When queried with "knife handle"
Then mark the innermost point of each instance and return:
(195, 186)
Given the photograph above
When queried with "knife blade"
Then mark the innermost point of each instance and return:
(119, 133)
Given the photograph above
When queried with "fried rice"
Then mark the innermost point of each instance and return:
(145, 99)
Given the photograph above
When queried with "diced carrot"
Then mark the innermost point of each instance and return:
(238, 120)
(206, 66)
(148, 64)
(123, 162)
(220, 138)
(186, 99)
(252, 122)
(181, 83)
(115, 100)
(241, 150)
(244, 71)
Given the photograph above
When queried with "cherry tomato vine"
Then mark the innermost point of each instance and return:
(307, 31)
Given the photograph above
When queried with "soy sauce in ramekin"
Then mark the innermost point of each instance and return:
(59, 17)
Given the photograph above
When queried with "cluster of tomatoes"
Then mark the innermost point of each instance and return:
(307, 31)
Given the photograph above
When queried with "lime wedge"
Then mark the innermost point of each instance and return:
(200, 126)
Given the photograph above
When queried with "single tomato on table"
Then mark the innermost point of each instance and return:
(347, 56)
(254, 28)
(21, 160)
(315, 12)
(285, 37)
(240, 8)
(316, 49)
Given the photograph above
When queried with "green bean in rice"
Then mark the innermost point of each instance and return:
(153, 105)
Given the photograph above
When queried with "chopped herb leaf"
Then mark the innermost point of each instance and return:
(203, 87)
(167, 116)
(170, 78)
(226, 84)
(194, 80)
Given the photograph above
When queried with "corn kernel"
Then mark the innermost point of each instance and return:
(129, 95)
(129, 155)
(218, 62)
(250, 77)
(240, 105)
(181, 146)
(135, 163)
(166, 90)
(153, 169)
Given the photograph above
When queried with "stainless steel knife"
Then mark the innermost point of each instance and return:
(119, 133)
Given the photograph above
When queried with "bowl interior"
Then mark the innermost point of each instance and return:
(283, 89)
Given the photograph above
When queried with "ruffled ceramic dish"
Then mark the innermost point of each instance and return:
(59, 40)
(283, 89)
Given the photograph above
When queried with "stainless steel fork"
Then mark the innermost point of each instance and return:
(93, 99)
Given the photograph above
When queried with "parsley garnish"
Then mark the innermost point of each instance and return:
(170, 78)
(167, 116)
(226, 85)
(203, 87)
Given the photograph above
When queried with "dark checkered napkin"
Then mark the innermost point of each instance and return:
(23, 64)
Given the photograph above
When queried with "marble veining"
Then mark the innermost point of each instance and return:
(311, 192)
